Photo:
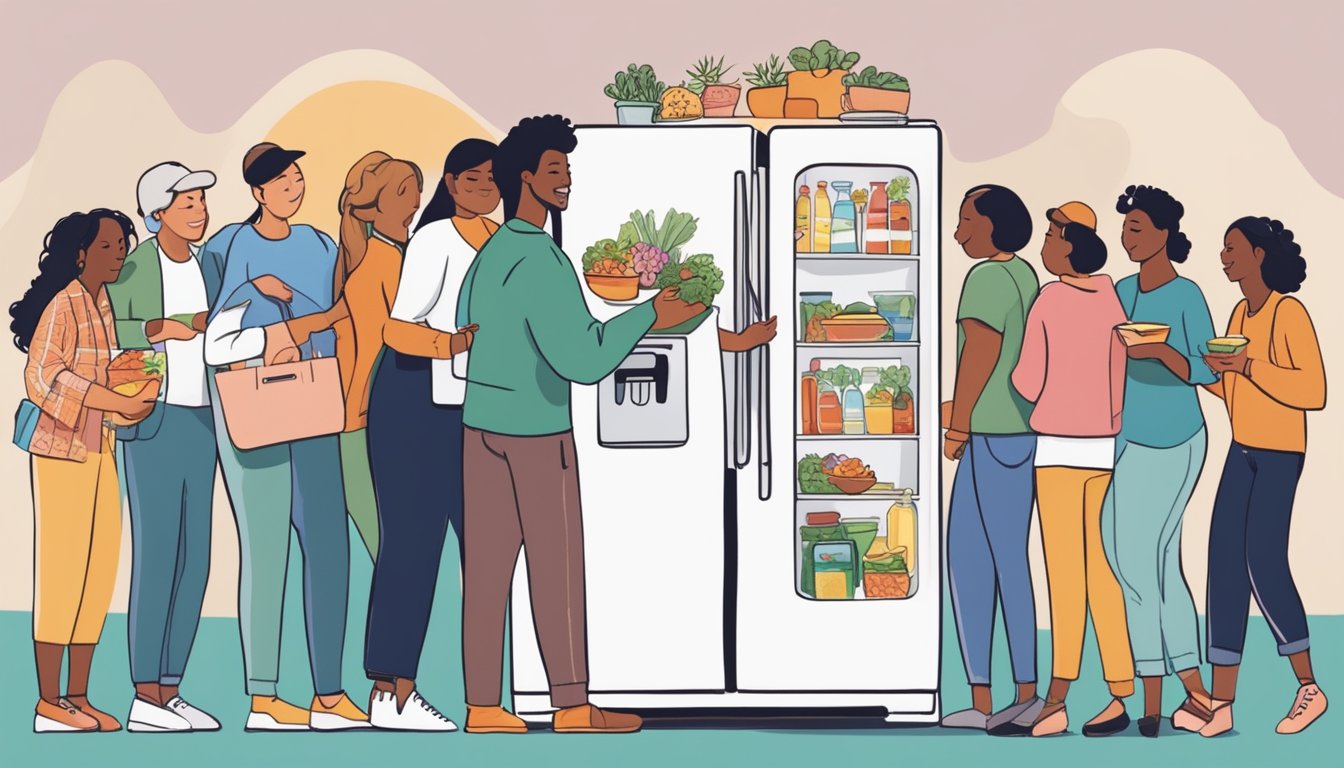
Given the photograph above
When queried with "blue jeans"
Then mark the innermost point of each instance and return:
(170, 482)
(1248, 553)
(988, 524)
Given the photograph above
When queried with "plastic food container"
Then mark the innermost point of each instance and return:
(1227, 345)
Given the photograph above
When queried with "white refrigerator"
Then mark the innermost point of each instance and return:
(719, 584)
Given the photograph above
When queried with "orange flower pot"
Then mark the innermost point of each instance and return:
(823, 87)
(721, 100)
(766, 102)
(860, 98)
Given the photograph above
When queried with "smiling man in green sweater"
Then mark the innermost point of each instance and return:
(521, 477)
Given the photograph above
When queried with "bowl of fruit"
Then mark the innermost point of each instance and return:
(850, 476)
(132, 373)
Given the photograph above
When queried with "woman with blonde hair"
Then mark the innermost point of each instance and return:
(380, 199)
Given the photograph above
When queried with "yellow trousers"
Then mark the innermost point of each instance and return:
(77, 526)
(1080, 577)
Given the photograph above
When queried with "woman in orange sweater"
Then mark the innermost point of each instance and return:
(381, 197)
(1268, 386)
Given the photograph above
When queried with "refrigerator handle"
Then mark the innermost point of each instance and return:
(761, 278)
(741, 319)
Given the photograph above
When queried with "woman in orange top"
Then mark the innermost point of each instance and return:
(1269, 385)
(381, 197)
(64, 323)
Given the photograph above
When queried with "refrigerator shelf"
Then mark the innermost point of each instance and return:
(846, 438)
(857, 258)
(829, 497)
(838, 345)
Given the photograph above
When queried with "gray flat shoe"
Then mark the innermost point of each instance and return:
(973, 719)
(1016, 720)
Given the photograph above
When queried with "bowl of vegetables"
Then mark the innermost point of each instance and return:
(849, 475)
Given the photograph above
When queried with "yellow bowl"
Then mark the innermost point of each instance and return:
(1227, 345)
(613, 288)
(1135, 334)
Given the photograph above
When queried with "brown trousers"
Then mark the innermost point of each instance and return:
(523, 491)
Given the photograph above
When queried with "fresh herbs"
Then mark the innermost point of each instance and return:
(871, 78)
(604, 250)
(636, 83)
(705, 73)
(822, 55)
(898, 189)
(701, 280)
(893, 387)
(768, 74)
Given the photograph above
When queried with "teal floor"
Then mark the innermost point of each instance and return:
(214, 682)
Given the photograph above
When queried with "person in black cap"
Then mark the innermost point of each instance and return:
(275, 304)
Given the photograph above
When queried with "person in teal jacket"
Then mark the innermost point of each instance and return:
(161, 301)
(521, 477)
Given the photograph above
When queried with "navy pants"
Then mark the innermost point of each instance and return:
(1248, 553)
(415, 457)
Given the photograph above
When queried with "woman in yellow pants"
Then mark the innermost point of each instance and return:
(64, 323)
(1072, 366)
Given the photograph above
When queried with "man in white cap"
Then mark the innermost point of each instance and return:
(161, 302)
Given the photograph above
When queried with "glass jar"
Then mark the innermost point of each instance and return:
(844, 237)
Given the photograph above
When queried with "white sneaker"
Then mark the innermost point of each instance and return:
(418, 715)
(200, 719)
(147, 717)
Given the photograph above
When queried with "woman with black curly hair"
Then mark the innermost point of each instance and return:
(1159, 453)
(64, 323)
(1268, 386)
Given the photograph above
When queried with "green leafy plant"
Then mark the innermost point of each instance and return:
(636, 83)
(898, 189)
(705, 280)
(871, 78)
(822, 55)
(605, 249)
(707, 72)
(768, 74)
(811, 477)
(677, 229)
(840, 376)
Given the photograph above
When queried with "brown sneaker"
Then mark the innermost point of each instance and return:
(493, 720)
(590, 719)
(61, 718)
(1309, 705)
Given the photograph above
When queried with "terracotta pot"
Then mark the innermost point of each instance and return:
(721, 100)
(824, 87)
(861, 98)
(766, 102)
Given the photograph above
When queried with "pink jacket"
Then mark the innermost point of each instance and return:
(1072, 364)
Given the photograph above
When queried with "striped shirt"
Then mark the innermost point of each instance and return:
(69, 353)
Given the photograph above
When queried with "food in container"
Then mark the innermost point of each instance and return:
(886, 575)
(823, 518)
(1135, 334)
(811, 535)
(902, 518)
(813, 307)
(851, 328)
(853, 486)
(614, 288)
(862, 531)
(833, 565)
(1227, 345)
(130, 373)
(898, 309)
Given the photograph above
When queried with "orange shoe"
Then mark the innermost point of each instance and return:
(1309, 705)
(493, 720)
(345, 716)
(590, 719)
(106, 722)
(272, 713)
(61, 718)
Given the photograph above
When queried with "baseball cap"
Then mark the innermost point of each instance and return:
(1073, 213)
(159, 184)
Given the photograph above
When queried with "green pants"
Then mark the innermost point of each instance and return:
(1141, 532)
(272, 489)
(358, 481)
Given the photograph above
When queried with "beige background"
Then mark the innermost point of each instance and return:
(1225, 104)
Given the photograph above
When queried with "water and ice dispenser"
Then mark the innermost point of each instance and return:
(642, 404)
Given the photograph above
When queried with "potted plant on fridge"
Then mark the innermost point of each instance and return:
(898, 213)
(873, 91)
(766, 99)
(719, 98)
(636, 92)
(817, 87)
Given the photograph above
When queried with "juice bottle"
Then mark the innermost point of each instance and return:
(876, 237)
(821, 220)
(901, 527)
(803, 221)
(809, 404)
(829, 420)
(852, 410)
(844, 237)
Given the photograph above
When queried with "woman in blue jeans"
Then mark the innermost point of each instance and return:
(1269, 385)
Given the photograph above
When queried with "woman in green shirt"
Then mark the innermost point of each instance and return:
(1159, 455)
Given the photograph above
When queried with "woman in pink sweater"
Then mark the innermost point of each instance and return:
(1072, 367)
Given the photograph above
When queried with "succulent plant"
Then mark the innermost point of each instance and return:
(768, 74)
(707, 72)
